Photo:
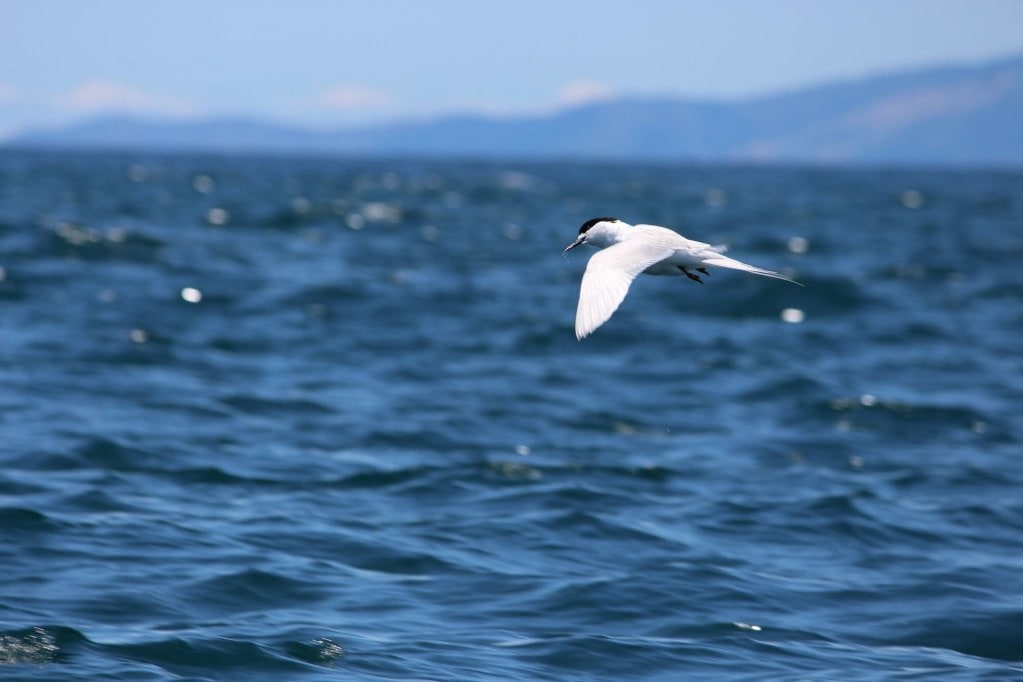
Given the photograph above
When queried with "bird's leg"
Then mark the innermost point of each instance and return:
(690, 275)
(703, 270)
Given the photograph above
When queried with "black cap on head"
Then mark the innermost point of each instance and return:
(593, 221)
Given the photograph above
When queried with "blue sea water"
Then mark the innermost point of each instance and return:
(279, 419)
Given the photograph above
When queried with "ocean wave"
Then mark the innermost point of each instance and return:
(285, 419)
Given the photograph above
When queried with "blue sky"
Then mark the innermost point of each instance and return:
(322, 62)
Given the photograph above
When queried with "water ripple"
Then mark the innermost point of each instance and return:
(310, 419)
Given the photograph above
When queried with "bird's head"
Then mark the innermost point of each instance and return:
(598, 232)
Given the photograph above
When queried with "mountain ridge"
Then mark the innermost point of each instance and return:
(950, 114)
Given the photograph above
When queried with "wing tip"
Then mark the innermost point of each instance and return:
(778, 275)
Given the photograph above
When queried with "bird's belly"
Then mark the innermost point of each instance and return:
(663, 269)
(673, 264)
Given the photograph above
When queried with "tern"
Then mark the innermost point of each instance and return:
(627, 251)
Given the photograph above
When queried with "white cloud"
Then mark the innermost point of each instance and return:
(99, 95)
(585, 92)
(349, 98)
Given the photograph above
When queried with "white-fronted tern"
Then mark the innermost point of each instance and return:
(627, 251)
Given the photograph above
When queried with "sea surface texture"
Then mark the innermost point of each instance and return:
(277, 419)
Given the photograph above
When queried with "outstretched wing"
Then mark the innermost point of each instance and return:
(607, 279)
(726, 262)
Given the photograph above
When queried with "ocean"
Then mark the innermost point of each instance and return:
(327, 419)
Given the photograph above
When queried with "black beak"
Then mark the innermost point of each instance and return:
(574, 244)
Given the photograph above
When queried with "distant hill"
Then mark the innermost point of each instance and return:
(952, 115)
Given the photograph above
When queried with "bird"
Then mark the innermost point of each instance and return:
(628, 250)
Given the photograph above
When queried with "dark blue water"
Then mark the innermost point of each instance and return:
(286, 420)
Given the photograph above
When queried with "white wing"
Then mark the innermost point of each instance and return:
(607, 279)
(726, 262)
